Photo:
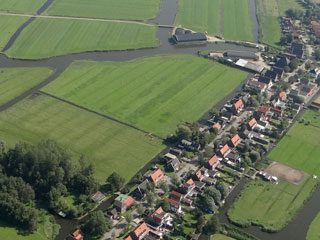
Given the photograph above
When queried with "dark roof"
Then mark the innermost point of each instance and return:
(179, 31)
(271, 74)
(282, 62)
(241, 54)
(264, 80)
(190, 37)
(297, 49)
(279, 71)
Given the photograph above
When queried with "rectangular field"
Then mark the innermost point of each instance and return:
(8, 26)
(152, 93)
(300, 148)
(109, 145)
(111, 9)
(229, 18)
(15, 81)
(269, 205)
(21, 6)
(51, 37)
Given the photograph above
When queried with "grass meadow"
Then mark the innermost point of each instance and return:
(314, 229)
(21, 6)
(220, 237)
(44, 38)
(8, 26)
(269, 205)
(300, 147)
(152, 93)
(111, 9)
(229, 18)
(109, 145)
(15, 81)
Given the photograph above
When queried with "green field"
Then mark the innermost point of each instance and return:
(109, 145)
(229, 18)
(111, 9)
(268, 12)
(269, 205)
(300, 148)
(152, 93)
(220, 237)
(51, 37)
(15, 81)
(21, 6)
(8, 26)
(314, 229)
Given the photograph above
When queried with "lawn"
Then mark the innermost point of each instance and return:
(314, 229)
(268, 12)
(44, 38)
(8, 26)
(111, 9)
(269, 205)
(229, 18)
(21, 6)
(300, 148)
(15, 81)
(109, 145)
(152, 93)
(220, 237)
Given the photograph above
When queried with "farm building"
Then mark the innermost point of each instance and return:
(185, 36)
(241, 54)
(252, 67)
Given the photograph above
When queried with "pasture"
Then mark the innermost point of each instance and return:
(269, 205)
(21, 6)
(229, 18)
(44, 38)
(220, 237)
(300, 147)
(152, 93)
(110, 146)
(314, 229)
(111, 9)
(8, 26)
(15, 81)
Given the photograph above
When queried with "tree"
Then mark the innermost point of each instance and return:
(233, 130)
(286, 69)
(164, 186)
(214, 193)
(183, 132)
(317, 54)
(129, 218)
(283, 41)
(165, 205)
(140, 209)
(283, 124)
(150, 198)
(293, 65)
(175, 180)
(115, 181)
(289, 38)
(212, 226)
(307, 65)
(214, 112)
(254, 156)
(200, 224)
(96, 224)
(223, 188)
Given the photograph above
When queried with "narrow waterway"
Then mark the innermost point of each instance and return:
(254, 18)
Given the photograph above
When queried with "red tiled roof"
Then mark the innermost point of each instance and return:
(238, 104)
(283, 95)
(216, 125)
(157, 175)
(129, 201)
(213, 160)
(141, 230)
(128, 238)
(199, 173)
(190, 181)
(252, 122)
(173, 202)
(256, 84)
(264, 109)
(235, 140)
(224, 149)
(175, 195)
(275, 110)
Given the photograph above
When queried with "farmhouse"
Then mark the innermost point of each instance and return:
(123, 202)
(157, 176)
(182, 36)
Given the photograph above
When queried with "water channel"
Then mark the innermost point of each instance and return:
(295, 230)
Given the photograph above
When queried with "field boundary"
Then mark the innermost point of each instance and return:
(97, 113)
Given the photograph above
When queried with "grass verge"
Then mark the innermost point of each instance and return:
(314, 229)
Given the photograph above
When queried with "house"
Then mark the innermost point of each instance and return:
(187, 187)
(257, 86)
(276, 113)
(128, 238)
(209, 181)
(279, 71)
(314, 73)
(234, 141)
(141, 189)
(159, 218)
(175, 151)
(170, 156)
(265, 111)
(252, 124)
(234, 157)
(76, 235)
(295, 107)
(189, 146)
(98, 197)
(224, 151)
(272, 75)
(175, 201)
(182, 36)
(213, 162)
(201, 173)
(112, 213)
(173, 165)
(237, 106)
(297, 50)
(143, 232)
(282, 62)
(260, 139)
(123, 202)
(199, 185)
(216, 126)
(283, 96)
(307, 90)
(246, 134)
(157, 176)
(267, 81)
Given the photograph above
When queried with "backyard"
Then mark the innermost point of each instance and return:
(228, 18)
(109, 145)
(45, 38)
(111, 9)
(15, 81)
(270, 205)
(152, 93)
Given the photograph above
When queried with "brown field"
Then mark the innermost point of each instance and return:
(286, 172)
